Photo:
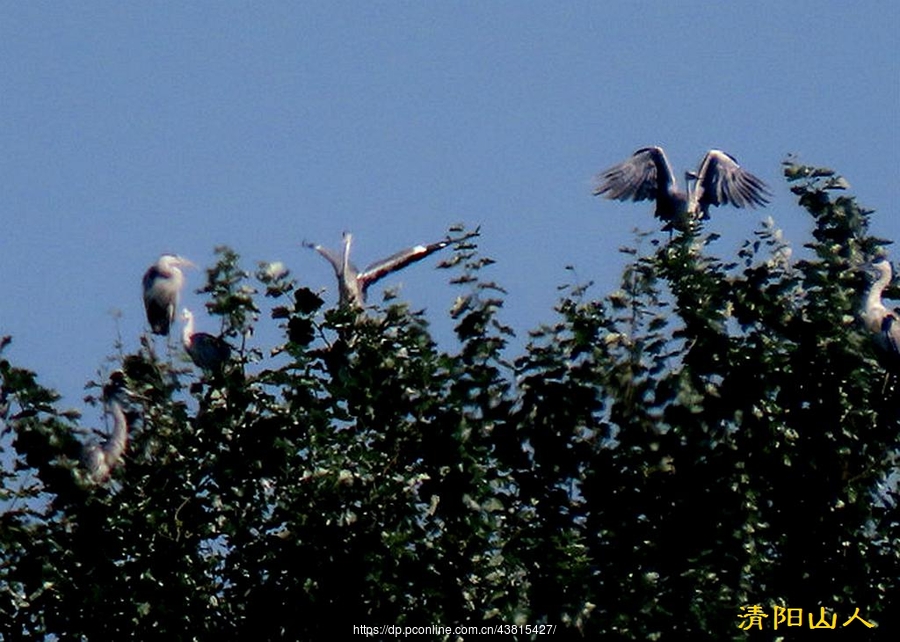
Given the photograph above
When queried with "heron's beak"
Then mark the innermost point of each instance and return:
(866, 268)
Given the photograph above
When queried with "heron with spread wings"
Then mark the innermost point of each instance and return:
(647, 175)
(353, 284)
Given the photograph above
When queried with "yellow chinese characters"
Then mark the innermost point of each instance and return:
(752, 617)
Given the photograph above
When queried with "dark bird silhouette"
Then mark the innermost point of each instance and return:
(353, 284)
(208, 352)
(162, 285)
(881, 322)
(647, 175)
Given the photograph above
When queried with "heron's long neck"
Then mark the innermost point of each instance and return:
(351, 288)
(875, 309)
(188, 332)
(115, 446)
(345, 255)
(177, 280)
(878, 287)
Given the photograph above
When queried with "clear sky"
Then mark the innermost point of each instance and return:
(132, 129)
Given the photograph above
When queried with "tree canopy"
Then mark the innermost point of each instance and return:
(715, 436)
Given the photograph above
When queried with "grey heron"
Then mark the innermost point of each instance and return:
(99, 459)
(162, 285)
(353, 284)
(208, 352)
(881, 322)
(648, 175)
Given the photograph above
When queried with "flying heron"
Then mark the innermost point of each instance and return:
(208, 352)
(162, 284)
(881, 322)
(648, 175)
(353, 284)
(99, 459)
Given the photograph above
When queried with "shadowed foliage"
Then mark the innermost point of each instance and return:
(715, 434)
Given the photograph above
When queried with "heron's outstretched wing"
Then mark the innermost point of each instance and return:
(335, 260)
(721, 181)
(638, 178)
(343, 267)
(398, 261)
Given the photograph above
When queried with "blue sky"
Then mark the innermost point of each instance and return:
(132, 129)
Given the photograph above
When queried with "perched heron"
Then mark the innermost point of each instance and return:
(648, 175)
(881, 322)
(353, 284)
(208, 352)
(162, 284)
(99, 459)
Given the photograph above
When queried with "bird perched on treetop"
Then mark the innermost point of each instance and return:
(205, 350)
(353, 284)
(881, 322)
(648, 175)
(162, 285)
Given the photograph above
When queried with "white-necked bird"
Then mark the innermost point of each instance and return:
(162, 285)
(99, 459)
(881, 322)
(208, 352)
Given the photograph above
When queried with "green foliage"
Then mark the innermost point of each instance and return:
(711, 435)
